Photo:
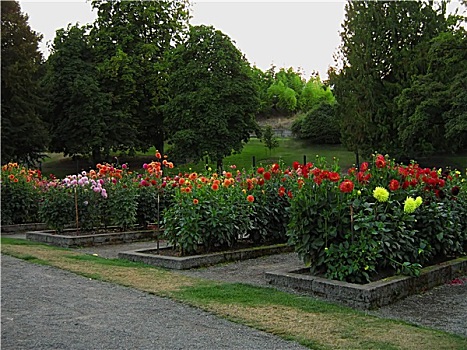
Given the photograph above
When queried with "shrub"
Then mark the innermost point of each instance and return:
(20, 193)
(319, 125)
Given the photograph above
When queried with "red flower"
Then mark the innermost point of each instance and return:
(333, 176)
(250, 198)
(275, 167)
(260, 170)
(455, 190)
(380, 161)
(394, 185)
(267, 175)
(289, 193)
(281, 191)
(346, 186)
(364, 166)
(296, 165)
(261, 181)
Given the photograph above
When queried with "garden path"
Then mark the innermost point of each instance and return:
(444, 307)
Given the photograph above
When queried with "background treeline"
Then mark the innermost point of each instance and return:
(141, 76)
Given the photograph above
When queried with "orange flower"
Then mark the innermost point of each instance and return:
(250, 198)
(158, 155)
(193, 176)
(226, 183)
(15, 180)
(215, 187)
(195, 201)
(11, 177)
(228, 175)
(187, 189)
(181, 181)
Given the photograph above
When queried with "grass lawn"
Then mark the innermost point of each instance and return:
(289, 150)
(313, 323)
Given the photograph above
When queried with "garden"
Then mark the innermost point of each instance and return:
(367, 223)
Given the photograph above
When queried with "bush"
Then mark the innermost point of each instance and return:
(20, 193)
(319, 125)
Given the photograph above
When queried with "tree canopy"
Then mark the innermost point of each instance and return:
(390, 97)
(24, 135)
(213, 97)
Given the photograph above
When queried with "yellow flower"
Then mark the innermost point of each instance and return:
(410, 205)
(418, 201)
(381, 194)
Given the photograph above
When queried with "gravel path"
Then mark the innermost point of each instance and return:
(444, 307)
(47, 308)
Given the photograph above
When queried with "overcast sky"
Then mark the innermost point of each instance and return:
(302, 34)
(287, 34)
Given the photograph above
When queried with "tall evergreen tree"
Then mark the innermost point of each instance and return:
(384, 45)
(24, 135)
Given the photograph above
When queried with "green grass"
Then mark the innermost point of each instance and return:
(289, 150)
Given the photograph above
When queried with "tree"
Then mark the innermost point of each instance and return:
(435, 104)
(78, 119)
(213, 97)
(269, 139)
(314, 93)
(24, 135)
(132, 40)
(384, 45)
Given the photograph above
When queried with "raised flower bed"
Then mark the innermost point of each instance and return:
(68, 238)
(371, 295)
(157, 257)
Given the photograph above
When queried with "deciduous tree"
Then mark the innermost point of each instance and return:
(213, 97)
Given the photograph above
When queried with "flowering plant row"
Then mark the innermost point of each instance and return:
(381, 216)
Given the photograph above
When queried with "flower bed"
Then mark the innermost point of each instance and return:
(158, 257)
(69, 238)
(346, 227)
(372, 295)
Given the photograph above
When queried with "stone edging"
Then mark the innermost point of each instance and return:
(21, 228)
(194, 261)
(372, 295)
(90, 239)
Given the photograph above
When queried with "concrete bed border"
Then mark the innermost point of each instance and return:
(89, 240)
(22, 228)
(372, 295)
(194, 261)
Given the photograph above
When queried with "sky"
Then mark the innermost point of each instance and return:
(303, 34)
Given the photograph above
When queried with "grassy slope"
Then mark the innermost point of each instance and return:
(313, 323)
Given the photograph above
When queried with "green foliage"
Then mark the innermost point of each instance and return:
(319, 125)
(268, 138)
(314, 93)
(131, 41)
(379, 62)
(123, 204)
(435, 103)
(24, 136)
(58, 208)
(78, 110)
(213, 97)
(218, 218)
